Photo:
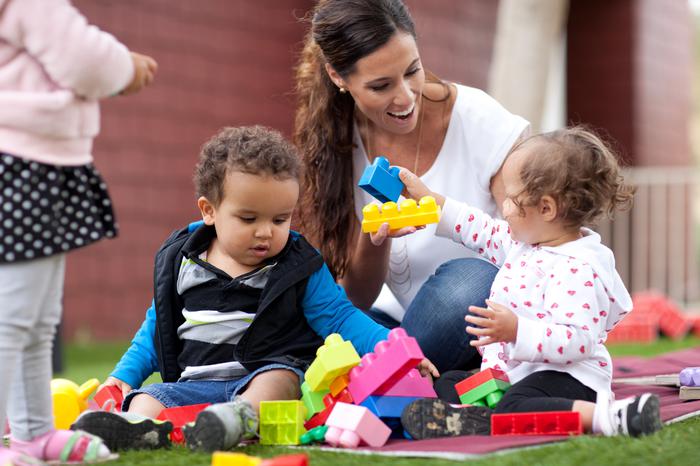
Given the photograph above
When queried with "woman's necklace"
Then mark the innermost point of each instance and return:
(420, 137)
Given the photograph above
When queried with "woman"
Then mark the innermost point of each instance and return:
(363, 93)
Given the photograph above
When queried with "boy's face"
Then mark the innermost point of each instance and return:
(253, 218)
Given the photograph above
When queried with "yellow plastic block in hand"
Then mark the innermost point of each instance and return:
(225, 458)
(69, 400)
(406, 214)
(335, 357)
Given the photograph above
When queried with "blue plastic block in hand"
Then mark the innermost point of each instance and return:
(382, 181)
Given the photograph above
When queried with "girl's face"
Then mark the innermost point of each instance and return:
(387, 84)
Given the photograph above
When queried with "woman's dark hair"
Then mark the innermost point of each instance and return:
(342, 32)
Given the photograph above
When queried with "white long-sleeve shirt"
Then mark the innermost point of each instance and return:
(567, 298)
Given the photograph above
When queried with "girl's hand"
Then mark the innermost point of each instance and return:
(113, 381)
(145, 69)
(428, 369)
(497, 322)
(416, 189)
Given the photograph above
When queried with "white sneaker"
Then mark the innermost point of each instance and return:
(632, 416)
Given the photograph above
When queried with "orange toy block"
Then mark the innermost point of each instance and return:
(339, 383)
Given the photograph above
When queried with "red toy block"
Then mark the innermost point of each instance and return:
(329, 400)
(180, 416)
(479, 378)
(542, 423)
(694, 318)
(392, 359)
(287, 460)
(106, 396)
(410, 385)
(635, 328)
(673, 323)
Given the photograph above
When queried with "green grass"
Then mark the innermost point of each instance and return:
(674, 445)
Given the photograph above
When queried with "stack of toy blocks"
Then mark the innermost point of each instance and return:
(689, 379)
(652, 312)
(382, 181)
(225, 458)
(180, 416)
(281, 422)
(484, 388)
(542, 423)
(407, 214)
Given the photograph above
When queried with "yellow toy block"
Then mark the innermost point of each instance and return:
(407, 214)
(335, 357)
(225, 458)
(282, 422)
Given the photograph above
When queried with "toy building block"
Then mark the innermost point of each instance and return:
(287, 460)
(312, 400)
(350, 425)
(317, 434)
(411, 385)
(335, 357)
(281, 422)
(387, 406)
(673, 323)
(109, 398)
(406, 214)
(640, 328)
(690, 377)
(69, 400)
(480, 377)
(382, 181)
(180, 416)
(319, 419)
(339, 383)
(488, 393)
(392, 360)
(689, 393)
(541, 423)
(227, 458)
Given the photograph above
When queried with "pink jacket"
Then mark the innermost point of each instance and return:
(54, 67)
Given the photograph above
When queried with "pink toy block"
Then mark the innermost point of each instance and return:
(329, 400)
(479, 378)
(180, 416)
(541, 423)
(349, 425)
(410, 385)
(392, 359)
(109, 398)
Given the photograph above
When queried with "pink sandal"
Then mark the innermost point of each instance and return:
(65, 447)
(13, 458)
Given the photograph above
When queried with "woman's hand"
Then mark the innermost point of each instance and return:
(497, 322)
(113, 381)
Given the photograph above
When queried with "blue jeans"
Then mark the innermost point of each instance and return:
(436, 315)
(193, 392)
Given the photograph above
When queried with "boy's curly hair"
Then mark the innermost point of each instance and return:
(256, 150)
(579, 171)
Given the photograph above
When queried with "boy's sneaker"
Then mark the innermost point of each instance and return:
(635, 416)
(125, 431)
(222, 426)
(433, 418)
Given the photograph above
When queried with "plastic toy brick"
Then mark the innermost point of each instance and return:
(335, 357)
(338, 384)
(635, 327)
(387, 406)
(350, 425)
(320, 418)
(109, 398)
(392, 359)
(382, 181)
(312, 400)
(317, 434)
(690, 377)
(281, 422)
(225, 458)
(412, 384)
(488, 393)
(480, 377)
(287, 460)
(180, 416)
(69, 400)
(542, 423)
(406, 214)
(673, 323)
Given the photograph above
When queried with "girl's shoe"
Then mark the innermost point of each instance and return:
(13, 458)
(433, 418)
(64, 447)
(125, 431)
(635, 416)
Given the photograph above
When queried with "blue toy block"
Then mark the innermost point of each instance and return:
(382, 181)
(387, 406)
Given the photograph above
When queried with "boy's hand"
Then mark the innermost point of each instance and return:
(428, 369)
(123, 386)
(145, 69)
(416, 189)
(497, 322)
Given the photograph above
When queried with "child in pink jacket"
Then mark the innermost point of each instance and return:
(54, 67)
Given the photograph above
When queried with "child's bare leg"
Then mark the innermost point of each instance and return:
(279, 384)
(145, 405)
(586, 409)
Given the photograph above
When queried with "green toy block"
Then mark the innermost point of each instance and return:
(335, 357)
(317, 434)
(488, 393)
(281, 422)
(312, 400)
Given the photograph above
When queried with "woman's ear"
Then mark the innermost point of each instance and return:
(207, 210)
(335, 77)
(548, 208)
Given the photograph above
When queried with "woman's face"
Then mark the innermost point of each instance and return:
(387, 84)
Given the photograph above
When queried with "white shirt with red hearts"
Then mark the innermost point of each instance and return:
(567, 298)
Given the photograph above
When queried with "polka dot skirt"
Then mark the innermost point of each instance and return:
(49, 209)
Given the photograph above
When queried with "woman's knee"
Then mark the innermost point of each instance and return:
(462, 282)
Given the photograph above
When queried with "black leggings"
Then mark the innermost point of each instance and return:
(539, 391)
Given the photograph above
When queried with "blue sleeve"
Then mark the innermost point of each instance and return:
(140, 360)
(328, 310)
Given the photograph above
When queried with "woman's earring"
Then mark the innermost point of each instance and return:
(342, 90)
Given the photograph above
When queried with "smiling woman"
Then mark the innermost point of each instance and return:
(363, 92)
